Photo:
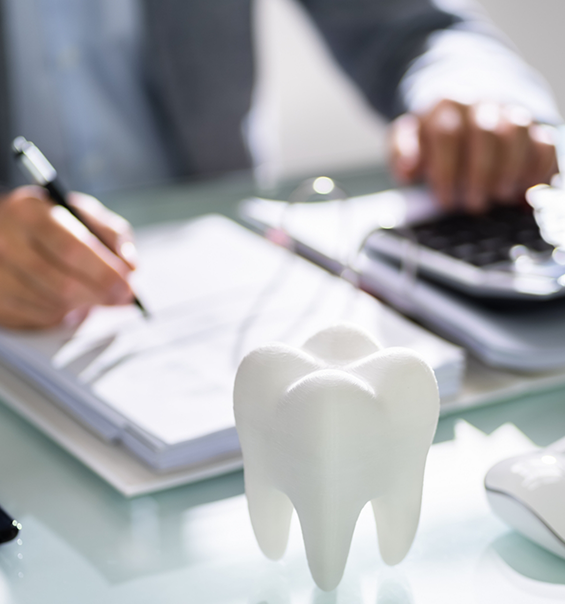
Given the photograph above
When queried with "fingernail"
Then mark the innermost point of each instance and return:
(129, 253)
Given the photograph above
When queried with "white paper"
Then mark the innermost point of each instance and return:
(214, 291)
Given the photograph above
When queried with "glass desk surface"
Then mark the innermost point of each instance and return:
(82, 542)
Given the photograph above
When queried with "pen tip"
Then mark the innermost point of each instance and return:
(144, 311)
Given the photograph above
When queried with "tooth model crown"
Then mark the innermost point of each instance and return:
(326, 428)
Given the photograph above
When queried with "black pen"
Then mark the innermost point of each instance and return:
(36, 165)
(9, 528)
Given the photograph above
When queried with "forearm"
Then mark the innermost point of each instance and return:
(375, 41)
(406, 55)
(468, 66)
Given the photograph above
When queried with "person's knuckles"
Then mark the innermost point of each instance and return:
(446, 109)
(442, 131)
(517, 115)
(486, 116)
(513, 139)
(444, 135)
(445, 131)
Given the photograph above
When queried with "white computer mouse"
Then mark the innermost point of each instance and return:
(528, 493)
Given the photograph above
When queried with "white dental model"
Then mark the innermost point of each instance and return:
(327, 428)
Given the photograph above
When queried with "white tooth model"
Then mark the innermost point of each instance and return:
(327, 428)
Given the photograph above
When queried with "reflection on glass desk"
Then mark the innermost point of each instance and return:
(84, 543)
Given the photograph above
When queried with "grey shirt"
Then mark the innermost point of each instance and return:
(126, 92)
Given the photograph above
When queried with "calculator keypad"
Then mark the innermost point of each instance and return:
(483, 239)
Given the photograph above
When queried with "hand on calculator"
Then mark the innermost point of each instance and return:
(474, 154)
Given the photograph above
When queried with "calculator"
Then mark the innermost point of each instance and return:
(498, 254)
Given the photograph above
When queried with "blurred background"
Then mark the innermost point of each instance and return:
(318, 121)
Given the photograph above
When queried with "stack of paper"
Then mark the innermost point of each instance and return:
(163, 387)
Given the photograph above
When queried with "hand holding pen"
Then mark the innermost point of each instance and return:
(35, 164)
(52, 265)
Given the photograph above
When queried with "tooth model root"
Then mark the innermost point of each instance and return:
(325, 429)
(270, 511)
(396, 515)
(327, 538)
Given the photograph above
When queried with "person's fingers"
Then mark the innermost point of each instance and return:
(480, 156)
(70, 247)
(22, 213)
(542, 160)
(20, 307)
(112, 229)
(51, 266)
(513, 152)
(405, 153)
(443, 133)
(49, 282)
